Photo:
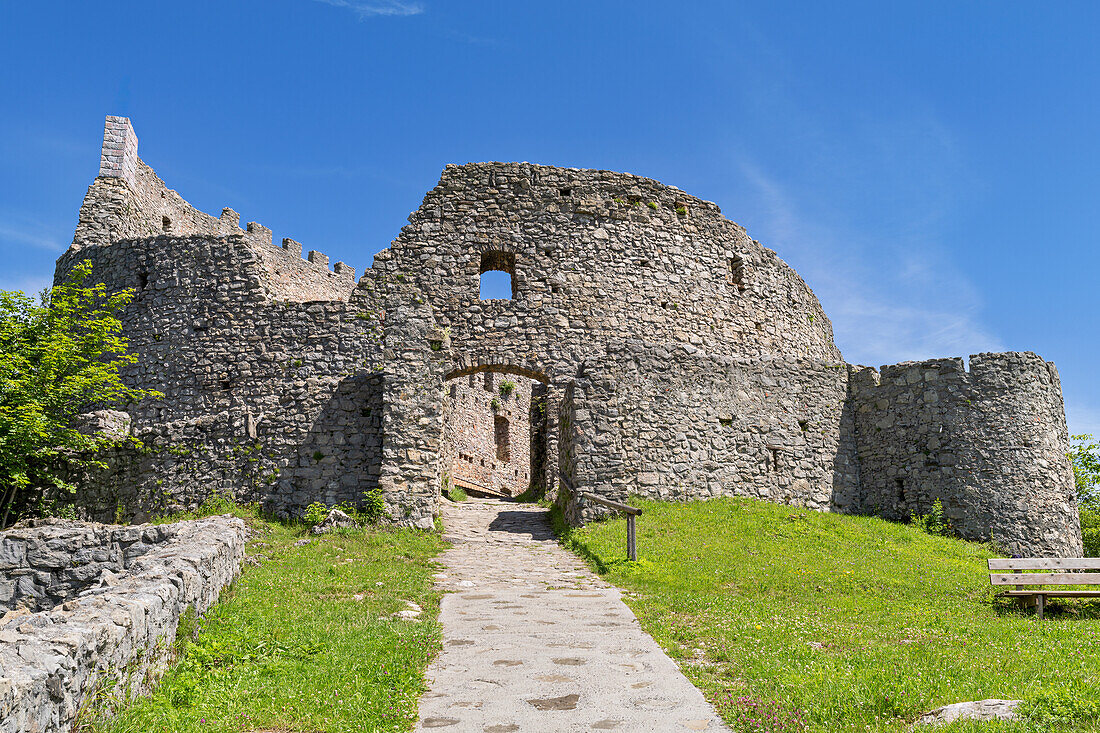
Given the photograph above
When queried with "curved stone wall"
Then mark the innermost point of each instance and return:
(990, 444)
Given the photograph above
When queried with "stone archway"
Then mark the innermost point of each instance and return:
(496, 430)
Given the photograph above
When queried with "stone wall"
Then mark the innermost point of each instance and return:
(48, 562)
(990, 444)
(106, 626)
(676, 358)
(273, 401)
(487, 432)
(696, 426)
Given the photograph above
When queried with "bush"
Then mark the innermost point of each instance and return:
(934, 522)
(373, 505)
(456, 493)
(1090, 531)
(369, 511)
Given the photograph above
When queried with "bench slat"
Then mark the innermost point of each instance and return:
(1045, 563)
(1055, 593)
(1045, 579)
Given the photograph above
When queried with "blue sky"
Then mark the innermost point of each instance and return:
(930, 168)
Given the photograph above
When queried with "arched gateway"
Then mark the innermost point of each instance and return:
(677, 358)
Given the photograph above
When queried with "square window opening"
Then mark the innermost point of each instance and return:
(498, 270)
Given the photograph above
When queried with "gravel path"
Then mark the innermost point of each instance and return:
(534, 641)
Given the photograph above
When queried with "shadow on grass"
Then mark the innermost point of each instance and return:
(1055, 608)
(573, 541)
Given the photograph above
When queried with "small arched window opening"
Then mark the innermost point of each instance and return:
(166, 224)
(500, 433)
(498, 271)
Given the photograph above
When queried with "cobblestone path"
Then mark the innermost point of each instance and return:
(534, 641)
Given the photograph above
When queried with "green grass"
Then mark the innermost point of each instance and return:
(456, 493)
(291, 648)
(791, 620)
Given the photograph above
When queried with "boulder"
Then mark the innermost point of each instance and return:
(978, 710)
(335, 518)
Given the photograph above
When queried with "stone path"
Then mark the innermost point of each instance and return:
(534, 641)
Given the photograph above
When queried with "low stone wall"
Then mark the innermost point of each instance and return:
(88, 602)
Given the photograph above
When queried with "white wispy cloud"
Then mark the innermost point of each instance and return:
(377, 8)
(889, 301)
(34, 234)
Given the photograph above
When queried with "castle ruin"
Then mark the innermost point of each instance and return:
(656, 350)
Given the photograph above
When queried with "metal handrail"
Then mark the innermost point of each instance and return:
(609, 503)
(630, 511)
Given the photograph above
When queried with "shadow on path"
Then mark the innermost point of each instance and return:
(532, 522)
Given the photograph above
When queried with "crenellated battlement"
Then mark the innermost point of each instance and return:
(972, 439)
(128, 201)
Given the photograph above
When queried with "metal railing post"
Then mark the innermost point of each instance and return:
(630, 512)
(631, 543)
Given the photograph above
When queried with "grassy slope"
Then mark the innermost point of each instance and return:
(290, 648)
(792, 620)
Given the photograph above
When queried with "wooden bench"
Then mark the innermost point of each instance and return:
(1007, 571)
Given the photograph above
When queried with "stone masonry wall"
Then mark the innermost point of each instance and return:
(676, 356)
(264, 400)
(47, 563)
(114, 626)
(990, 444)
(470, 434)
(695, 426)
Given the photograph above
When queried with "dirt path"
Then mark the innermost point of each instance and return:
(534, 641)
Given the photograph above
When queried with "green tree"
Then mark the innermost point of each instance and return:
(60, 355)
(1085, 455)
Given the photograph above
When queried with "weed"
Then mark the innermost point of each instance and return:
(934, 522)
(456, 493)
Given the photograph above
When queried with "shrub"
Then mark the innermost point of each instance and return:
(315, 512)
(373, 505)
(507, 387)
(1090, 531)
(934, 522)
(456, 493)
